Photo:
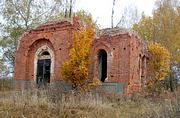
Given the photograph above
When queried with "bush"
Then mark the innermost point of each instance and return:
(159, 66)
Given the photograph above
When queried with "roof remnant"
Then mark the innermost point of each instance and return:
(113, 31)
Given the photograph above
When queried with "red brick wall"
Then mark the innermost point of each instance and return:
(123, 54)
(58, 40)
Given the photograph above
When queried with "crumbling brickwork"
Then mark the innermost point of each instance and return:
(124, 54)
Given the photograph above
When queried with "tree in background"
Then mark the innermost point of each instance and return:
(20, 16)
(159, 65)
(145, 28)
(129, 17)
(69, 4)
(86, 18)
(164, 28)
(75, 70)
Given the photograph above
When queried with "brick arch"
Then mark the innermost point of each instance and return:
(96, 48)
(101, 45)
(32, 53)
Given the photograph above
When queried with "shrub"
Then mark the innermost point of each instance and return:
(159, 66)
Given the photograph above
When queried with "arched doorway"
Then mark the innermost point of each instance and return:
(43, 68)
(44, 65)
(102, 65)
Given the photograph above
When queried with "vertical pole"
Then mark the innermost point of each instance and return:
(65, 14)
(70, 9)
(112, 15)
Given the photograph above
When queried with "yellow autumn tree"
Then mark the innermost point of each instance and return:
(163, 27)
(159, 63)
(75, 70)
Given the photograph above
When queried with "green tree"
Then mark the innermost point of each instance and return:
(20, 16)
(145, 28)
(163, 26)
(86, 18)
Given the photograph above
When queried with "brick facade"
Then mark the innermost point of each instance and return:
(125, 54)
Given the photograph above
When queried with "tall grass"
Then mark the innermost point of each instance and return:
(52, 103)
(6, 84)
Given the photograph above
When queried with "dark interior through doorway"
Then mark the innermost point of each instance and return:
(102, 65)
(43, 69)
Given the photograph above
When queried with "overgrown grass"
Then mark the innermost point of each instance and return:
(46, 104)
(52, 103)
(6, 84)
(39, 104)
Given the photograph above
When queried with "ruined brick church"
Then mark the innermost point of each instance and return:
(118, 57)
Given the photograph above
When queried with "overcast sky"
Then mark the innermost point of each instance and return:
(101, 9)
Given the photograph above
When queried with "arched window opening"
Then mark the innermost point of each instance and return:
(43, 68)
(102, 65)
(45, 53)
